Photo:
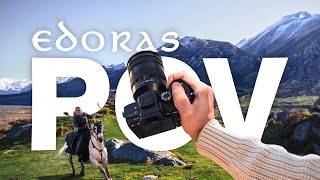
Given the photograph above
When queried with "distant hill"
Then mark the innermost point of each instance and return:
(69, 88)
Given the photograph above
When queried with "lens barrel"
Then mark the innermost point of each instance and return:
(146, 73)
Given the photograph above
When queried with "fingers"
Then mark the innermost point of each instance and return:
(180, 99)
(186, 77)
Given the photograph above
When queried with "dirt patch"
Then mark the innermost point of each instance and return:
(11, 114)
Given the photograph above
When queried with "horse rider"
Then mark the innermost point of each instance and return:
(79, 139)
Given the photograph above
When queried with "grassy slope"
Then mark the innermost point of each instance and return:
(281, 104)
(19, 161)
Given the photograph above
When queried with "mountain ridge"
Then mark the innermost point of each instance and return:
(301, 44)
(297, 37)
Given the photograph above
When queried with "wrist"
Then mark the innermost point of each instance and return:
(195, 135)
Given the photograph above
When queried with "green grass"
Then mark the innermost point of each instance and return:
(18, 161)
(281, 104)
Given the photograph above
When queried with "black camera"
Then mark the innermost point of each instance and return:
(154, 111)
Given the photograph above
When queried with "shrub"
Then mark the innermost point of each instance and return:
(316, 108)
(273, 134)
(295, 118)
(61, 130)
(306, 113)
(4, 130)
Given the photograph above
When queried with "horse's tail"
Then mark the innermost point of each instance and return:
(63, 149)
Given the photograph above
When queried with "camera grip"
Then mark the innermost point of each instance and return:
(188, 89)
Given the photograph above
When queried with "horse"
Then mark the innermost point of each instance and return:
(97, 151)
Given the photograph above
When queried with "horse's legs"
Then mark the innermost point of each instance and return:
(82, 168)
(71, 162)
(105, 163)
(95, 163)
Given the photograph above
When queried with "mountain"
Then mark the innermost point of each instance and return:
(115, 72)
(191, 50)
(297, 37)
(12, 86)
(76, 87)
(64, 79)
(66, 87)
(293, 29)
(242, 42)
(23, 99)
(73, 88)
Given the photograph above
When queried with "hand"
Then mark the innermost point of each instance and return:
(196, 115)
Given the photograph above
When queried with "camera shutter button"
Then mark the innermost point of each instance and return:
(166, 96)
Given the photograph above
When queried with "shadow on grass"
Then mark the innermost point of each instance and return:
(61, 176)
(5, 144)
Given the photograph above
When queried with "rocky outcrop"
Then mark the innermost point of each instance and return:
(302, 132)
(316, 108)
(316, 133)
(148, 177)
(316, 149)
(125, 151)
(297, 130)
(281, 116)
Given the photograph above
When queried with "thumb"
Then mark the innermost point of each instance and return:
(180, 99)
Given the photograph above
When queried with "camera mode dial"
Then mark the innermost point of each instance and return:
(166, 96)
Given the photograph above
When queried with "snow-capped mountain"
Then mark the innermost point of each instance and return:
(115, 71)
(289, 30)
(76, 86)
(192, 50)
(12, 86)
(297, 37)
(242, 42)
(116, 67)
(64, 79)
(66, 87)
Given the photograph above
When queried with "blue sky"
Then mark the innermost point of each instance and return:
(219, 20)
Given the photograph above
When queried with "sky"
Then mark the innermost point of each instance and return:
(228, 20)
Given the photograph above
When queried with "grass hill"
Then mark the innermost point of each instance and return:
(19, 162)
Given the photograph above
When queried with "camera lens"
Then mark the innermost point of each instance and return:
(146, 73)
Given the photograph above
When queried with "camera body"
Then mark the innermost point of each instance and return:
(154, 111)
